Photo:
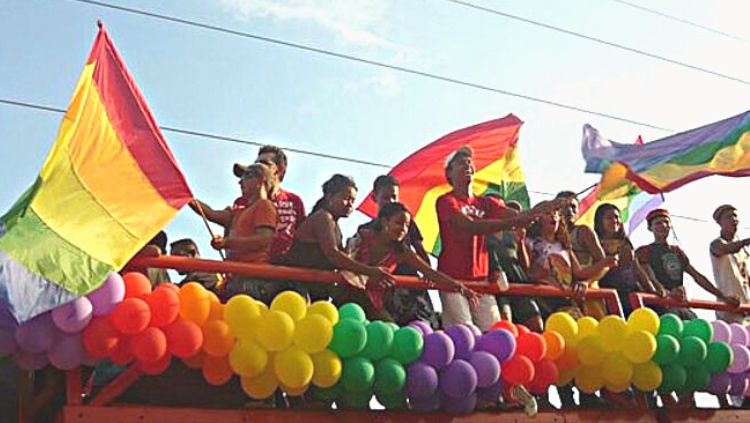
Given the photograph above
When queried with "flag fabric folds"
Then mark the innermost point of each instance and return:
(422, 174)
(634, 206)
(107, 187)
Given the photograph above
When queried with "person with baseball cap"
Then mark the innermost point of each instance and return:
(729, 257)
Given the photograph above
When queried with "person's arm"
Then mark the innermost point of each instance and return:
(704, 283)
(220, 217)
(591, 242)
(258, 241)
(508, 218)
(719, 247)
(595, 271)
(523, 254)
(412, 259)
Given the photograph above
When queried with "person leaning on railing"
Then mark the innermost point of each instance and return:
(729, 257)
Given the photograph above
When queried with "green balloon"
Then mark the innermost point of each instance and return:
(349, 338)
(667, 350)
(719, 357)
(700, 329)
(392, 401)
(692, 351)
(394, 327)
(379, 341)
(358, 400)
(698, 378)
(670, 324)
(390, 376)
(358, 375)
(673, 378)
(328, 394)
(407, 345)
(352, 311)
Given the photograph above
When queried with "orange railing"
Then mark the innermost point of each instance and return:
(641, 299)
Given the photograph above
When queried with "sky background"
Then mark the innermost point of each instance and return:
(217, 83)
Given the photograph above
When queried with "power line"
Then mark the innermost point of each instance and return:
(683, 21)
(595, 39)
(371, 62)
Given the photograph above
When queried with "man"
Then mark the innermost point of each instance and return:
(186, 247)
(729, 261)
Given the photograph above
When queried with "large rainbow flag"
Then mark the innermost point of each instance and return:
(107, 187)
(422, 174)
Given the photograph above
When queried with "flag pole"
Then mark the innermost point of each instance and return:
(208, 227)
(587, 189)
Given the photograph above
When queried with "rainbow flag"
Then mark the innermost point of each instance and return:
(107, 187)
(422, 174)
(634, 206)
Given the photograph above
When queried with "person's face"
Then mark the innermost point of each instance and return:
(661, 227)
(570, 212)
(397, 226)
(611, 221)
(342, 203)
(250, 185)
(462, 171)
(184, 251)
(550, 222)
(386, 195)
(729, 221)
(269, 159)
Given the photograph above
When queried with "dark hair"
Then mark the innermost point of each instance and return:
(336, 184)
(184, 242)
(386, 212)
(279, 156)
(566, 194)
(159, 240)
(384, 181)
(599, 218)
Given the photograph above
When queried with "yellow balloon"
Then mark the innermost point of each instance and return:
(591, 351)
(612, 329)
(647, 376)
(617, 370)
(290, 303)
(589, 379)
(563, 324)
(564, 377)
(263, 307)
(313, 333)
(327, 369)
(644, 319)
(293, 367)
(241, 314)
(248, 359)
(640, 346)
(617, 389)
(195, 303)
(295, 392)
(325, 309)
(586, 327)
(218, 340)
(261, 386)
(275, 331)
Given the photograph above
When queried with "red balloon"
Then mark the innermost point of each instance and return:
(518, 370)
(131, 316)
(156, 368)
(545, 374)
(137, 285)
(168, 285)
(522, 329)
(531, 345)
(149, 346)
(122, 355)
(184, 338)
(165, 306)
(100, 338)
(505, 324)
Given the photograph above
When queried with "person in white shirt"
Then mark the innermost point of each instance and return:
(729, 257)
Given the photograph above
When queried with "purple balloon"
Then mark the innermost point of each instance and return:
(421, 326)
(459, 406)
(67, 352)
(474, 329)
(421, 381)
(74, 316)
(8, 343)
(722, 331)
(719, 384)
(426, 405)
(739, 334)
(741, 361)
(499, 343)
(739, 384)
(463, 340)
(36, 335)
(487, 368)
(490, 395)
(107, 296)
(438, 350)
(458, 379)
(30, 361)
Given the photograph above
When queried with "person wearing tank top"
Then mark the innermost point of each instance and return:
(729, 255)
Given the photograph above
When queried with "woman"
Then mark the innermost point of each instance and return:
(382, 245)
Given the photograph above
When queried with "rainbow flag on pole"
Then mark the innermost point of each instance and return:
(107, 187)
(422, 174)
(634, 206)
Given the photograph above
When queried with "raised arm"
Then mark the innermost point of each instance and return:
(720, 247)
(220, 217)
(508, 218)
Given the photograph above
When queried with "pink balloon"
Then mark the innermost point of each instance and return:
(739, 334)
(67, 353)
(106, 297)
(36, 335)
(722, 331)
(73, 317)
(741, 361)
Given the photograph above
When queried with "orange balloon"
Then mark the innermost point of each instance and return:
(196, 361)
(216, 370)
(568, 360)
(137, 285)
(156, 368)
(195, 303)
(184, 338)
(165, 306)
(122, 355)
(216, 311)
(505, 324)
(217, 338)
(555, 345)
(100, 338)
(131, 316)
(149, 346)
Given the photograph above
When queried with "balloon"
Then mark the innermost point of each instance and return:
(407, 345)
(647, 376)
(568, 360)
(349, 338)
(294, 392)
(617, 370)
(617, 389)
(261, 386)
(158, 367)
(741, 361)
(738, 384)
(325, 309)
(438, 350)
(586, 326)
(499, 343)
(522, 329)
(459, 406)
(491, 394)
(108, 295)
(423, 327)
(672, 325)
(164, 304)
(474, 329)
(394, 327)
(640, 346)
(719, 357)
(216, 370)
(149, 346)
(358, 375)
(692, 351)
(545, 374)
(507, 325)
(379, 340)
(195, 361)
(667, 350)
(30, 361)
(532, 346)
(291, 303)
(390, 376)
(99, 338)
(313, 333)
(425, 405)
(720, 382)
(293, 367)
(563, 324)
(355, 400)
(739, 334)
(458, 379)
(217, 338)
(247, 358)
(555, 345)
(392, 401)
(589, 379)
(352, 311)
(421, 381)
(518, 370)
(644, 319)
(8, 343)
(327, 368)
(131, 316)
(612, 329)
(241, 314)
(591, 350)
(463, 340)
(700, 329)
(722, 331)
(216, 308)
(73, 316)
(275, 331)
(673, 378)
(184, 338)
(698, 379)
(36, 335)
(195, 303)
(122, 355)
(487, 368)
(137, 285)
(67, 352)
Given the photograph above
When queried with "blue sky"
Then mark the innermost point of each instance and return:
(212, 82)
